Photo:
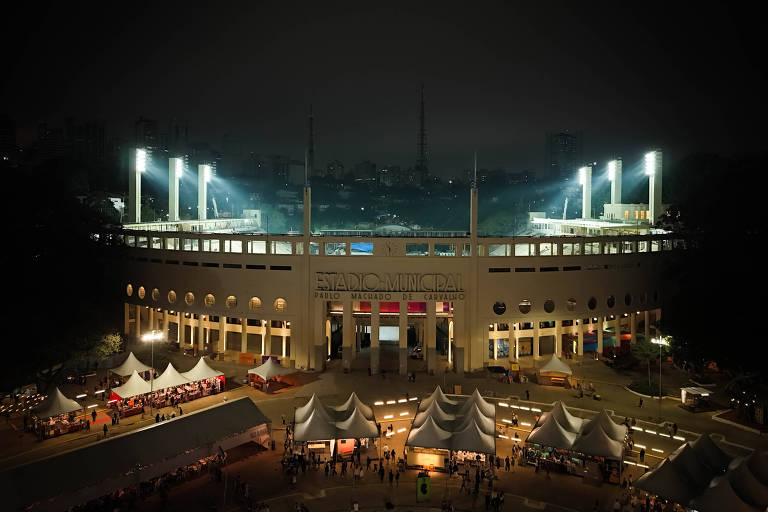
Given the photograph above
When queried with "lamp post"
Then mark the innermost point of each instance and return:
(151, 337)
(661, 342)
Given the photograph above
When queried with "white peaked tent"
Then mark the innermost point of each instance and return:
(473, 415)
(434, 411)
(551, 433)
(170, 378)
(598, 444)
(603, 420)
(666, 480)
(720, 496)
(485, 408)
(201, 371)
(134, 386)
(566, 420)
(353, 403)
(54, 404)
(438, 396)
(315, 428)
(473, 439)
(130, 365)
(555, 366)
(356, 426)
(696, 471)
(303, 413)
(710, 453)
(270, 370)
(429, 435)
(746, 485)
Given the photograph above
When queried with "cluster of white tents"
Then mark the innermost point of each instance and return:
(598, 437)
(135, 385)
(701, 476)
(316, 421)
(467, 424)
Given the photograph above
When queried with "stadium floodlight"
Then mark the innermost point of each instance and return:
(141, 160)
(179, 167)
(583, 176)
(585, 179)
(650, 163)
(207, 171)
(203, 177)
(612, 170)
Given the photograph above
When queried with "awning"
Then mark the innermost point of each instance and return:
(130, 365)
(54, 404)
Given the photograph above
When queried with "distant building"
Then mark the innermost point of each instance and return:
(564, 154)
(334, 169)
(365, 170)
(7, 138)
(146, 134)
(86, 141)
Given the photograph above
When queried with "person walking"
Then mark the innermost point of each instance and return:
(642, 454)
(93, 415)
(527, 395)
(105, 431)
(506, 463)
(640, 403)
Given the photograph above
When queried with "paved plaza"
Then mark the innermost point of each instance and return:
(524, 487)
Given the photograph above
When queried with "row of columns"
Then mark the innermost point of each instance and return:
(161, 321)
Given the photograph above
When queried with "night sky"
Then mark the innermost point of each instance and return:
(685, 77)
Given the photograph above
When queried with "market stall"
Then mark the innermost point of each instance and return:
(209, 380)
(694, 398)
(554, 372)
(129, 399)
(263, 374)
(130, 365)
(56, 416)
(172, 388)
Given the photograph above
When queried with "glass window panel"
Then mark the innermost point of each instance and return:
(157, 242)
(257, 247)
(335, 249)
(299, 247)
(466, 250)
(524, 249)
(498, 250)
(642, 246)
(130, 241)
(281, 248)
(172, 244)
(142, 242)
(361, 248)
(416, 249)
(627, 247)
(314, 248)
(445, 250)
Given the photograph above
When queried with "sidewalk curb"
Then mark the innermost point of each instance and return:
(737, 425)
(668, 397)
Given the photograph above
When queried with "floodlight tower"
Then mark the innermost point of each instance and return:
(653, 171)
(203, 177)
(614, 176)
(137, 164)
(585, 180)
(175, 169)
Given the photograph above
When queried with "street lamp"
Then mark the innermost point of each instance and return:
(661, 342)
(151, 337)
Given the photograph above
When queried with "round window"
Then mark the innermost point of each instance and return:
(592, 303)
(549, 305)
(643, 298)
(142, 292)
(155, 294)
(171, 297)
(499, 308)
(524, 306)
(280, 304)
(628, 300)
(210, 300)
(611, 301)
(231, 302)
(571, 304)
(189, 298)
(254, 303)
(129, 290)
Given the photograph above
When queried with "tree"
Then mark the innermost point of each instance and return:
(645, 351)
(108, 344)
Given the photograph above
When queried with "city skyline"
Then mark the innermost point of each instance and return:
(494, 90)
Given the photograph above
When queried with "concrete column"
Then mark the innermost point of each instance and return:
(200, 334)
(536, 351)
(516, 339)
(244, 335)
(268, 337)
(348, 337)
(222, 333)
(264, 337)
(600, 334)
(450, 342)
(403, 338)
(164, 323)
(182, 330)
(151, 325)
(430, 333)
(126, 318)
(138, 322)
(647, 326)
(328, 334)
(495, 341)
(375, 356)
(633, 328)
(558, 338)
(580, 332)
(284, 340)
(461, 336)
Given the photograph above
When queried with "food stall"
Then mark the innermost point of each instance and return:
(56, 416)
(694, 398)
(263, 374)
(554, 372)
(129, 399)
(209, 380)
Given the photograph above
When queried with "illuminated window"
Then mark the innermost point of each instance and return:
(281, 248)
(172, 244)
(191, 244)
(157, 242)
(171, 297)
(498, 249)
(445, 250)
(209, 300)
(129, 290)
(142, 292)
(280, 305)
(231, 302)
(189, 298)
(155, 294)
(233, 246)
(211, 245)
(257, 247)
(254, 303)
